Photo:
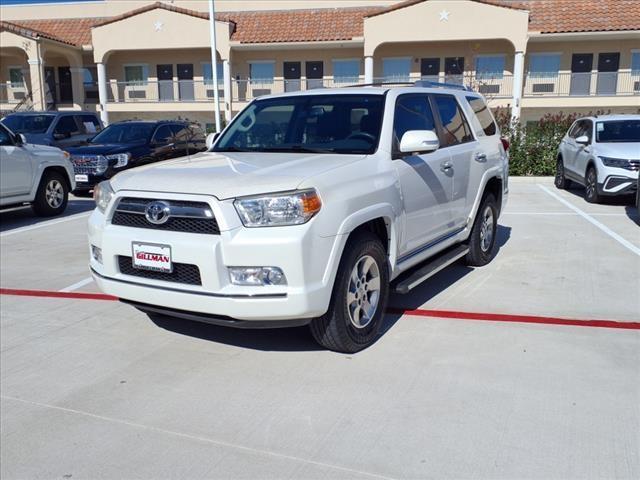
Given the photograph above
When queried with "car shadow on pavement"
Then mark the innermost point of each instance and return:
(24, 217)
(299, 339)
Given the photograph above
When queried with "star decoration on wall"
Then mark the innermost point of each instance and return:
(444, 16)
(158, 25)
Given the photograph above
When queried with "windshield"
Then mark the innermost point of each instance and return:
(125, 133)
(28, 123)
(313, 123)
(618, 131)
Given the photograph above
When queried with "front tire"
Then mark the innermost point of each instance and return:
(591, 186)
(482, 240)
(359, 297)
(561, 181)
(52, 195)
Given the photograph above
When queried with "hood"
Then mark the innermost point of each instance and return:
(100, 149)
(628, 151)
(36, 149)
(230, 175)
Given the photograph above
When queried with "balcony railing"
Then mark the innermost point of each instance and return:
(590, 84)
(168, 91)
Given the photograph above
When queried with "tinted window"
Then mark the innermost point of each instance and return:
(483, 115)
(163, 134)
(455, 127)
(582, 127)
(182, 133)
(125, 133)
(5, 138)
(618, 131)
(28, 123)
(335, 123)
(413, 112)
(574, 129)
(66, 126)
(89, 124)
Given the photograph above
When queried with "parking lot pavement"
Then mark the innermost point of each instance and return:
(501, 389)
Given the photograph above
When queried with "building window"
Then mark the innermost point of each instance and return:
(208, 75)
(635, 62)
(490, 67)
(261, 72)
(136, 74)
(16, 77)
(544, 65)
(396, 69)
(346, 71)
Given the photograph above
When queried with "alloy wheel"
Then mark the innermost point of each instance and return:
(54, 193)
(363, 295)
(486, 229)
(591, 184)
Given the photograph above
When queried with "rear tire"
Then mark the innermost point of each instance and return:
(482, 240)
(52, 195)
(359, 297)
(561, 181)
(591, 194)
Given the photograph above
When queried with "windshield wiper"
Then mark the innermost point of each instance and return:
(298, 149)
(233, 149)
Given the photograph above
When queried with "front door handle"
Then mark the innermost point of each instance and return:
(446, 166)
(481, 157)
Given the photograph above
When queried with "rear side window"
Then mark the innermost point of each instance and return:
(456, 130)
(89, 124)
(483, 115)
(163, 134)
(67, 126)
(413, 112)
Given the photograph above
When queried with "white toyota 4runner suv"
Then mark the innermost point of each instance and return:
(308, 209)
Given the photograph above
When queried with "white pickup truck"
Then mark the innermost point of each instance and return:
(308, 209)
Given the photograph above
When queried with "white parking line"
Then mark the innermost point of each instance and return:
(565, 214)
(44, 224)
(77, 285)
(593, 221)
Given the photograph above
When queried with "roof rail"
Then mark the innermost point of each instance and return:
(379, 84)
(430, 84)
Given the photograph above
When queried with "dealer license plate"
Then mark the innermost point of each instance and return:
(151, 256)
(82, 178)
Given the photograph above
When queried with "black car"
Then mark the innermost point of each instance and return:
(130, 144)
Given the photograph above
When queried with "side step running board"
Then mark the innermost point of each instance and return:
(431, 268)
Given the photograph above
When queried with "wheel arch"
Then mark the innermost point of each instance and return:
(57, 169)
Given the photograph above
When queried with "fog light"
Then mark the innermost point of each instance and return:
(256, 276)
(96, 253)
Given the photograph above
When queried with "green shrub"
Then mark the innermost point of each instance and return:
(534, 146)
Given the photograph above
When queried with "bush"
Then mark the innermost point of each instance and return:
(534, 147)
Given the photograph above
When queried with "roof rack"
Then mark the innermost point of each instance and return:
(380, 84)
(430, 84)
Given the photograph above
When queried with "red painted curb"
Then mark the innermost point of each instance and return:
(49, 294)
(487, 317)
(497, 317)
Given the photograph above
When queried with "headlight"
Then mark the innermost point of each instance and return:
(102, 194)
(101, 165)
(121, 159)
(278, 209)
(616, 162)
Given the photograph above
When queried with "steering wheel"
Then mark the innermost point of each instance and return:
(362, 136)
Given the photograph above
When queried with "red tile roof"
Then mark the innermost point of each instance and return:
(341, 24)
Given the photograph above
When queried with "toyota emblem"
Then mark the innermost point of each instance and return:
(157, 212)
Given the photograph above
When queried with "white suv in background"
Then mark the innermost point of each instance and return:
(36, 174)
(306, 209)
(603, 154)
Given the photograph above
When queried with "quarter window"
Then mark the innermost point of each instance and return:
(455, 127)
(413, 112)
(483, 115)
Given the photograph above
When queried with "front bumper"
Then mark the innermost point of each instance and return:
(308, 261)
(618, 185)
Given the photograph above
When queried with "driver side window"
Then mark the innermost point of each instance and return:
(163, 135)
(413, 112)
(66, 126)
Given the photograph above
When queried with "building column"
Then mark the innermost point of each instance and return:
(226, 74)
(36, 74)
(368, 70)
(102, 92)
(77, 85)
(518, 85)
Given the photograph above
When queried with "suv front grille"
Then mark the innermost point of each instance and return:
(88, 164)
(189, 217)
(182, 272)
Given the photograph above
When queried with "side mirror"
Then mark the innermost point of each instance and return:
(20, 139)
(582, 140)
(211, 138)
(419, 141)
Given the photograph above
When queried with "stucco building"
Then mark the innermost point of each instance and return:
(138, 59)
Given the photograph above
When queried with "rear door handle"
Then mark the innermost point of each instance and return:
(446, 166)
(481, 157)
